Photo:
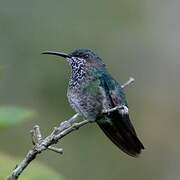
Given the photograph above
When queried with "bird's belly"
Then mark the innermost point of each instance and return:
(86, 105)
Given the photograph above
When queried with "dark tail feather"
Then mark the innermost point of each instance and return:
(122, 133)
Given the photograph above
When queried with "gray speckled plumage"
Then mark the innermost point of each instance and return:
(92, 89)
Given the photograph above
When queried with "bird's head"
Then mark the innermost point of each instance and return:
(78, 57)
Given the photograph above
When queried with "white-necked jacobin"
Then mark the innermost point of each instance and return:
(91, 90)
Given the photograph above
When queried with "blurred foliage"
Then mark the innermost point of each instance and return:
(12, 115)
(37, 171)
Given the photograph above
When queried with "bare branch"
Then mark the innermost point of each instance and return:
(43, 144)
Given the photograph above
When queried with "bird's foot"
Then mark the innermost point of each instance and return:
(120, 107)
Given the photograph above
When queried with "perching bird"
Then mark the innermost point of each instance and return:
(92, 91)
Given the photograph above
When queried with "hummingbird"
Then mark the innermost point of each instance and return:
(92, 90)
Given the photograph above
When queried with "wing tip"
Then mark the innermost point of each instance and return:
(124, 137)
(133, 152)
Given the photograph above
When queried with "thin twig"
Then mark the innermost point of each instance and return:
(58, 133)
(43, 144)
(130, 81)
(57, 150)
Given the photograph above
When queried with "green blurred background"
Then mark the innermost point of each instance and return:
(135, 38)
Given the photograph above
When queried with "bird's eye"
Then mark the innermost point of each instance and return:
(86, 56)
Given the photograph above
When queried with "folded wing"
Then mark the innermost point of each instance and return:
(117, 125)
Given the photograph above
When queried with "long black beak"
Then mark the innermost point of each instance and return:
(64, 55)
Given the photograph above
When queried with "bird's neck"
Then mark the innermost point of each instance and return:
(79, 72)
(82, 73)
